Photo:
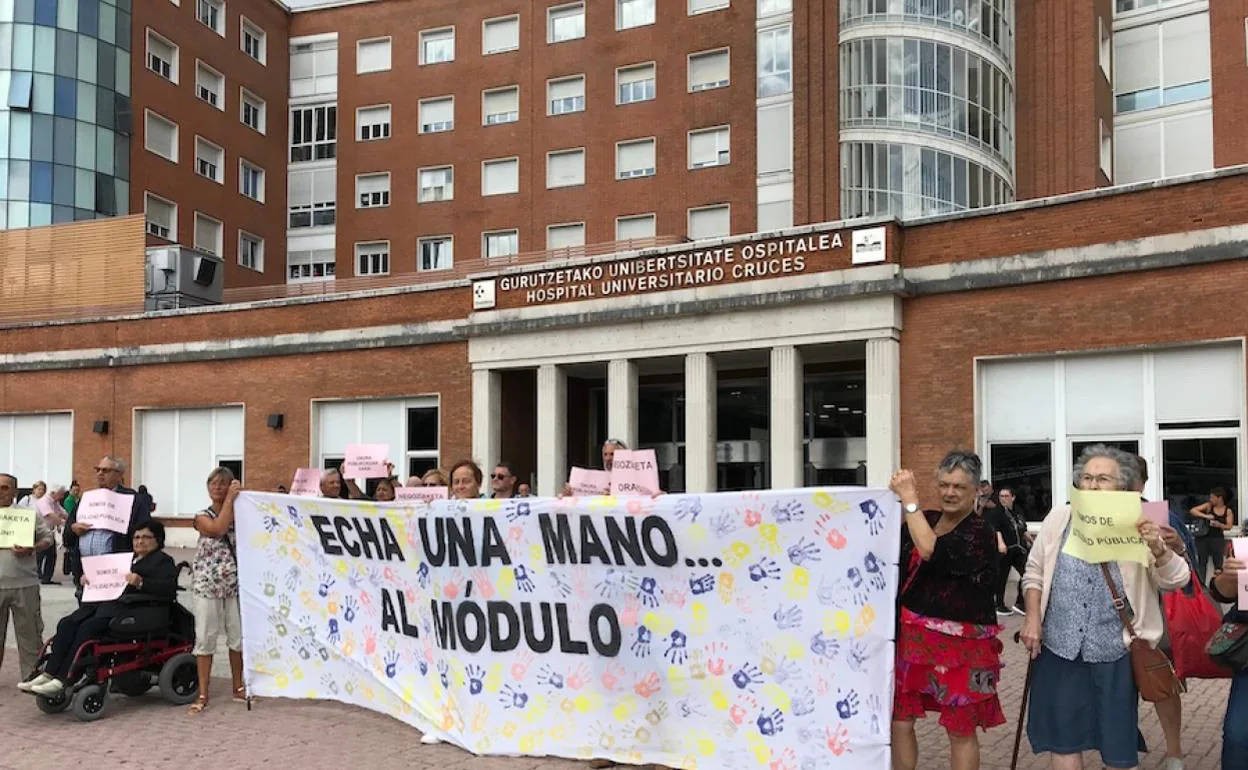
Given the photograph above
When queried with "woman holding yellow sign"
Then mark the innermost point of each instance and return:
(1084, 695)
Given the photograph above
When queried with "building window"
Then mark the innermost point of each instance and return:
(161, 216)
(313, 133)
(1164, 147)
(211, 13)
(774, 7)
(710, 222)
(1107, 151)
(208, 234)
(209, 85)
(437, 46)
(312, 198)
(372, 258)
(634, 84)
(499, 35)
(775, 61)
(437, 184)
(702, 6)
(314, 68)
(162, 57)
(636, 227)
(372, 190)
(1106, 52)
(565, 236)
(309, 265)
(160, 136)
(209, 160)
(500, 243)
(372, 55)
(254, 41)
(251, 251)
(1162, 64)
(565, 168)
(252, 110)
(251, 181)
(708, 70)
(373, 123)
(633, 13)
(437, 115)
(437, 253)
(500, 177)
(565, 22)
(635, 158)
(566, 95)
(500, 105)
(709, 147)
(775, 139)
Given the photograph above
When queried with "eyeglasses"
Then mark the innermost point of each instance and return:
(144, 537)
(99, 469)
(1100, 481)
(501, 476)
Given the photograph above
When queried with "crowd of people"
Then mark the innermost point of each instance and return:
(1082, 624)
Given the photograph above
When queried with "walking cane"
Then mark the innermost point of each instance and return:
(1022, 711)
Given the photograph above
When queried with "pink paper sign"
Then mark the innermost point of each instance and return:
(307, 482)
(1158, 513)
(45, 506)
(106, 509)
(424, 494)
(365, 461)
(1240, 547)
(635, 473)
(589, 483)
(104, 577)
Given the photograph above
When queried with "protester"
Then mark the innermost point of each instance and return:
(281, 489)
(503, 481)
(524, 490)
(152, 573)
(384, 491)
(144, 498)
(466, 478)
(608, 460)
(1224, 587)
(19, 587)
(70, 503)
(37, 491)
(1011, 528)
(331, 484)
(432, 478)
(55, 520)
(214, 583)
(1084, 696)
(81, 540)
(948, 655)
(1212, 519)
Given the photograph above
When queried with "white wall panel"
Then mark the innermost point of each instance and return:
(38, 447)
(1019, 400)
(176, 449)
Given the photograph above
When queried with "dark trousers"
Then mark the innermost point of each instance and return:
(1013, 558)
(74, 630)
(1209, 548)
(45, 561)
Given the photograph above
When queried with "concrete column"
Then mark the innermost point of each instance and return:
(487, 412)
(622, 401)
(701, 407)
(552, 429)
(786, 417)
(883, 410)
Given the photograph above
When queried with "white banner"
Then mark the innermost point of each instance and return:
(735, 630)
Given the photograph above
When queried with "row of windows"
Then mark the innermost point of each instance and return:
(252, 39)
(63, 187)
(1161, 64)
(161, 216)
(161, 137)
(106, 21)
(989, 20)
(163, 60)
(39, 53)
(910, 181)
(437, 252)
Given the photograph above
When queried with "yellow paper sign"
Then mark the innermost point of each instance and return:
(1103, 527)
(17, 527)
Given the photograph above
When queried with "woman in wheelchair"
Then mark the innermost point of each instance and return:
(153, 573)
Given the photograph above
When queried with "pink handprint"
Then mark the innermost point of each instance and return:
(366, 601)
(786, 761)
(838, 740)
(411, 597)
(753, 518)
(676, 596)
(520, 669)
(833, 536)
(516, 534)
(632, 605)
(648, 685)
(481, 582)
(370, 640)
(611, 677)
(450, 589)
(715, 662)
(578, 676)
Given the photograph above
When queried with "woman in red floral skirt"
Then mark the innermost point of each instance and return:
(948, 654)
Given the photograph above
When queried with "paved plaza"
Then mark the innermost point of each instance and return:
(148, 733)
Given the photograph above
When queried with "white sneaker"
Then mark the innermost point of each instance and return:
(41, 679)
(1172, 763)
(50, 688)
(429, 739)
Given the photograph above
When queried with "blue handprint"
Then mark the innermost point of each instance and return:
(327, 582)
(615, 582)
(703, 584)
(271, 524)
(334, 634)
(723, 525)
(825, 647)
(292, 578)
(857, 586)
(765, 569)
(875, 516)
(787, 670)
(423, 666)
(804, 703)
(802, 552)
(687, 707)
(476, 679)
(444, 673)
(857, 656)
(349, 606)
(847, 706)
(646, 592)
(641, 646)
(519, 511)
(550, 678)
(513, 698)
(561, 585)
(689, 508)
(329, 683)
(422, 575)
(677, 652)
(784, 513)
(747, 677)
(875, 577)
(787, 618)
(523, 581)
(295, 518)
(392, 662)
(770, 723)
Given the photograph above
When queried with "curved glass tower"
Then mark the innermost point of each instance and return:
(65, 119)
(926, 106)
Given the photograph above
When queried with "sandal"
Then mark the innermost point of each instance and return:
(199, 706)
(240, 695)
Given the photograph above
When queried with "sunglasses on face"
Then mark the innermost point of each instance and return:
(98, 469)
(501, 476)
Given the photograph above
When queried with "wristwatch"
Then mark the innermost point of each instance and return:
(911, 508)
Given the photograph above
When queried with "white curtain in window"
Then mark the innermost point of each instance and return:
(634, 156)
(161, 135)
(636, 74)
(501, 177)
(1185, 50)
(437, 111)
(710, 222)
(565, 236)
(501, 35)
(367, 184)
(634, 227)
(563, 89)
(373, 55)
(775, 139)
(160, 212)
(565, 168)
(708, 68)
(507, 100)
(207, 235)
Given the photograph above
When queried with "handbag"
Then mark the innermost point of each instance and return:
(1154, 674)
(1228, 647)
(1197, 526)
(1192, 621)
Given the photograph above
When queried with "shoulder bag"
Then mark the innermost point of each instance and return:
(1228, 647)
(1153, 672)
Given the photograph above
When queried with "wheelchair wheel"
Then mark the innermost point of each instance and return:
(54, 705)
(179, 679)
(88, 703)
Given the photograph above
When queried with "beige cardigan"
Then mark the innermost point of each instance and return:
(1141, 584)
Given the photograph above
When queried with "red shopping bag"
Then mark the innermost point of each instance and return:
(1191, 621)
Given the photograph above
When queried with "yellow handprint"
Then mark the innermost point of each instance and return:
(737, 553)
(797, 586)
(506, 584)
(701, 618)
(768, 541)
